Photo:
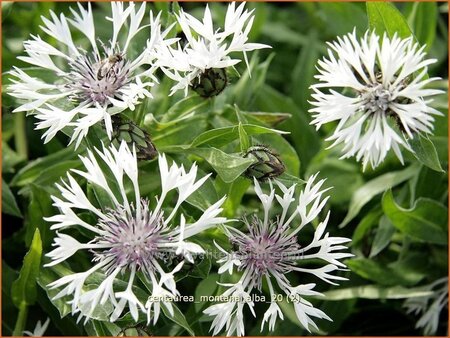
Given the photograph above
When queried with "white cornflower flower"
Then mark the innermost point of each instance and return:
(269, 250)
(130, 238)
(201, 62)
(39, 330)
(376, 92)
(429, 307)
(92, 83)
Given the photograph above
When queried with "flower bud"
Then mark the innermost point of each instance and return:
(138, 330)
(268, 164)
(130, 133)
(210, 83)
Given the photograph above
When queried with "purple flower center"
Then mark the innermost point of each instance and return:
(377, 99)
(265, 248)
(132, 239)
(96, 81)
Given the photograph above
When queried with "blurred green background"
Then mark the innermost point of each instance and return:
(390, 265)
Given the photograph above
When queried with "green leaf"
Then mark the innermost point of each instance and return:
(186, 106)
(39, 207)
(289, 180)
(271, 119)
(102, 329)
(425, 152)
(101, 311)
(377, 272)
(303, 136)
(368, 221)
(340, 312)
(178, 318)
(37, 167)
(248, 85)
(49, 275)
(304, 70)
(228, 166)
(423, 20)
(426, 221)
(10, 158)
(243, 138)
(9, 275)
(382, 236)
(67, 326)
(433, 191)
(205, 288)
(342, 176)
(55, 172)
(413, 266)
(234, 192)
(223, 136)
(24, 288)
(103, 198)
(374, 187)
(279, 32)
(180, 133)
(385, 17)
(201, 269)
(342, 17)
(377, 292)
(9, 204)
(204, 196)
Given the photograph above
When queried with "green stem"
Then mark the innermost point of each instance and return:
(21, 320)
(20, 138)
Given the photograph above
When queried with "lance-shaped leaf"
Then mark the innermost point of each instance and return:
(24, 288)
(426, 221)
(374, 187)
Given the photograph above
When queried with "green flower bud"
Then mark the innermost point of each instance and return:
(210, 83)
(130, 133)
(139, 330)
(267, 165)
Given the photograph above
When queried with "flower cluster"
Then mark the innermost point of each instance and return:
(128, 237)
(201, 61)
(100, 79)
(103, 79)
(373, 88)
(269, 250)
(384, 99)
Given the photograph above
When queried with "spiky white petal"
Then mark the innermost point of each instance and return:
(127, 238)
(88, 88)
(206, 47)
(269, 251)
(376, 89)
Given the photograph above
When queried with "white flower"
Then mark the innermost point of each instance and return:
(429, 307)
(269, 250)
(187, 249)
(230, 314)
(376, 92)
(91, 84)
(227, 262)
(39, 330)
(271, 315)
(206, 48)
(127, 238)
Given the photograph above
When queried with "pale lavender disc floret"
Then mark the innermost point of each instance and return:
(129, 238)
(268, 250)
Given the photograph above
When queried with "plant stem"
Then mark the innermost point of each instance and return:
(21, 320)
(20, 138)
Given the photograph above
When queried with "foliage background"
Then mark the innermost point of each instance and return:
(396, 251)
